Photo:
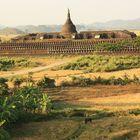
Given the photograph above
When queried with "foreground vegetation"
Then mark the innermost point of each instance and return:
(18, 102)
(29, 108)
(112, 103)
(100, 63)
(7, 63)
(66, 118)
(26, 112)
(83, 81)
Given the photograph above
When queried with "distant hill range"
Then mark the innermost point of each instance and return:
(110, 25)
(45, 28)
(10, 31)
(116, 24)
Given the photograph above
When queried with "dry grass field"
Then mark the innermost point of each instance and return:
(137, 32)
(7, 37)
(105, 129)
(62, 75)
(117, 99)
(65, 75)
(115, 110)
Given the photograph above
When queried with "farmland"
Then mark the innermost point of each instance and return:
(113, 109)
(110, 98)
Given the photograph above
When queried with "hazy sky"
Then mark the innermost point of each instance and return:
(38, 12)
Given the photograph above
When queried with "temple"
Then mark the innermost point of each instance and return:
(68, 42)
(68, 29)
(69, 32)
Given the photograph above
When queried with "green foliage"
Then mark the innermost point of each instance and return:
(46, 83)
(4, 135)
(21, 100)
(127, 136)
(3, 82)
(109, 46)
(135, 112)
(4, 90)
(116, 46)
(83, 81)
(17, 82)
(99, 63)
(32, 100)
(7, 63)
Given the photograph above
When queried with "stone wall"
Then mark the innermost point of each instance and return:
(54, 47)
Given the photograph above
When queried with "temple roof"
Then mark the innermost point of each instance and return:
(68, 27)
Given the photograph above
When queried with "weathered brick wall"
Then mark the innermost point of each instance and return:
(53, 47)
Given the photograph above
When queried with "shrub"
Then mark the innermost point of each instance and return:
(83, 81)
(7, 63)
(17, 82)
(46, 83)
(99, 63)
(4, 135)
(22, 100)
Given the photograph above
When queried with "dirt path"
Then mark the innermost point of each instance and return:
(33, 70)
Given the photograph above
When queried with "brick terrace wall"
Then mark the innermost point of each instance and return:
(54, 47)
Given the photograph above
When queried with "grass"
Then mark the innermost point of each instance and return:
(58, 131)
(7, 63)
(137, 32)
(65, 75)
(113, 109)
(100, 97)
(7, 37)
(99, 63)
(21, 63)
(112, 128)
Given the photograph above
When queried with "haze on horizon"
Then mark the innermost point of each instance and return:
(46, 12)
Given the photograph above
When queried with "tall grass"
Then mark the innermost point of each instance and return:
(83, 81)
(8, 63)
(100, 63)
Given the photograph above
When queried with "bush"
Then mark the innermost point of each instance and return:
(46, 83)
(99, 63)
(83, 81)
(22, 100)
(7, 63)
(4, 135)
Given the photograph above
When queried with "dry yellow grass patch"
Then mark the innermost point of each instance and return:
(64, 75)
(137, 32)
(101, 97)
(119, 102)
(41, 62)
(7, 37)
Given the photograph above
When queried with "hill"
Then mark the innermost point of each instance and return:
(10, 31)
(133, 24)
(110, 25)
(116, 24)
(44, 28)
